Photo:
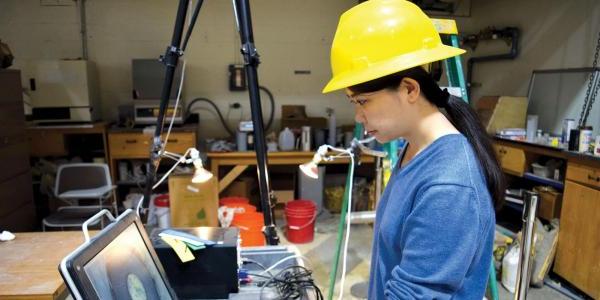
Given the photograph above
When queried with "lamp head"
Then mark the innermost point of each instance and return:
(200, 173)
(310, 168)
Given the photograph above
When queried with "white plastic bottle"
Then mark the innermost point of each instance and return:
(286, 140)
(510, 264)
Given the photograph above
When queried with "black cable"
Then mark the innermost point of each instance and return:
(224, 121)
(252, 261)
(291, 283)
(231, 132)
(272, 100)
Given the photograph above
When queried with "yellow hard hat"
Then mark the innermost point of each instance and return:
(381, 37)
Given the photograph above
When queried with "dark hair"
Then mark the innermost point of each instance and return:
(459, 113)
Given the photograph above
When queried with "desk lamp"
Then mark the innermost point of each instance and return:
(200, 173)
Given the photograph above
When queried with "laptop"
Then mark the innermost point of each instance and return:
(118, 263)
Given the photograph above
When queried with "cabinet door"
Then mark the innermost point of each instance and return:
(46, 143)
(578, 253)
(511, 159)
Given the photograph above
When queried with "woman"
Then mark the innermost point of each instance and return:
(435, 222)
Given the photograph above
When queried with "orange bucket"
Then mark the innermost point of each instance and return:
(250, 225)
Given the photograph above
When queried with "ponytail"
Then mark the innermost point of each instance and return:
(464, 118)
(460, 114)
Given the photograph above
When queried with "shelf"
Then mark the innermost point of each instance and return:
(547, 181)
(515, 206)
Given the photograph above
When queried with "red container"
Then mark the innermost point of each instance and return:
(300, 215)
(233, 200)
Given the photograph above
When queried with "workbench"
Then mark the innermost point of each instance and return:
(29, 264)
(242, 160)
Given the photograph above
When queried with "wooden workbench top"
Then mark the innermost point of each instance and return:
(29, 264)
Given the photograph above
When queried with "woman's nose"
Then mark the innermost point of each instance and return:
(359, 116)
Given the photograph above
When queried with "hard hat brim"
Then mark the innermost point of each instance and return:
(391, 66)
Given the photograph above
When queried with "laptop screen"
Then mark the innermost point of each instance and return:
(125, 270)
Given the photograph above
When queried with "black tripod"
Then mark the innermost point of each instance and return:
(251, 61)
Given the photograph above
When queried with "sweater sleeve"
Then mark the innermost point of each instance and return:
(442, 235)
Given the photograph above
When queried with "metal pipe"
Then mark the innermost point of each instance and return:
(362, 217)
(83, 30)
(525, 254)
(513, 33)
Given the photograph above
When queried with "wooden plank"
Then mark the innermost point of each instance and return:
(231, 176)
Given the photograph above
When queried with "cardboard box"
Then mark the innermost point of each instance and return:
(499, 112)
(241, 187)
(284, 196)
(294, 116)
(193, 204)
(550, 203)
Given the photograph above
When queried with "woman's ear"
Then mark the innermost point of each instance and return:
(412, 87)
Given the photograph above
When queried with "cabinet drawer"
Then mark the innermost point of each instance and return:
(15, 193)
(128, 145)
(583, 174)
(14, 159)
(137, 145)
(511, 159)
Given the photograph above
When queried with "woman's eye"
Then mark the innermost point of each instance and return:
(358, 101)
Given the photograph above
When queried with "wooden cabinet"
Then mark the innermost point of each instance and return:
(578, 253)
(512, 160)
(17, 210)
(130, 144)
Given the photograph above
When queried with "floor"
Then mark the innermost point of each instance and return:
(321, 252)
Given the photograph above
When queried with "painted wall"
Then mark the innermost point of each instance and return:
(289, 35)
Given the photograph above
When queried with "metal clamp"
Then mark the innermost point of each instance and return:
(94, 218)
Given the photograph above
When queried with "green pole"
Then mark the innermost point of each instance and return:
(358, 128)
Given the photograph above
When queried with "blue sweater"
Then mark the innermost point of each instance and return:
(434, 227)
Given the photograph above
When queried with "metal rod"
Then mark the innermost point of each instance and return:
(244, 22)
(192, 23)
(525, 259)
(170, 59)
(83, 20)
